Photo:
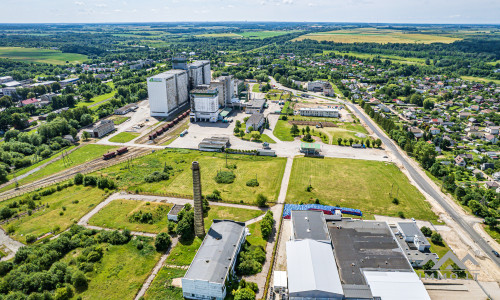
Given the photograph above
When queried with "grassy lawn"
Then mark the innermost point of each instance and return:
(162, 288)
(183, 253)
(335, 132)
(97, 99)
(282, 131)
(255, 88)
(495, 234)
(81, 155)
(119, 120)
(117, 213)
(376, 35)
(124, 137)
(65, 208)
(255, 237)
(361, 184)
(122, 271)
(269, 172)
(36, 55)
(229, 213)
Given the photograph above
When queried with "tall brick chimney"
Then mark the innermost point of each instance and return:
(199, 226)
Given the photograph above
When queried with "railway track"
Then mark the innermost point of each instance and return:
(91, 166)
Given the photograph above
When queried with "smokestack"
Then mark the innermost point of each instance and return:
(199, 226)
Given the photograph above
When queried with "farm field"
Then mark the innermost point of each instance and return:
(118, 213)
(373, 35)
(82, 155)
(65, 207)
(269, 172)
(124, 137)
(36, 55)
(122, 271)
(162, 288)
(396, 58)
(249, 34)
(365, 185)
(480, 79)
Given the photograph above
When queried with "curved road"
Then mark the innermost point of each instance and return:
(418, 179)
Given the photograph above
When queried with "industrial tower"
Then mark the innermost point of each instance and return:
(199, 226)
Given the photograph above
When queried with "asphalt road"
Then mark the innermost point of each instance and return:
(418, 179)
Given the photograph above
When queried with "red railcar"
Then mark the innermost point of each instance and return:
(165, 128)
(159, 132)
(121, 150)
(171, 124)
(109, 155)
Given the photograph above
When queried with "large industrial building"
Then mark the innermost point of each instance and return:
(205, 104)
(214, 261)
(319, 112)
(167, 92)
(347, 259)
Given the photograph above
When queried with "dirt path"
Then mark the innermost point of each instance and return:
(155, 271)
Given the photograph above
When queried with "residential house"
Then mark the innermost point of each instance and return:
(435, 130)
(460, 161)
(492, 185)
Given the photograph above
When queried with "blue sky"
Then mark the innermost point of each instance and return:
(371, 11)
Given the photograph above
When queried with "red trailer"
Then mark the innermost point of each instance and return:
(121, 150)
(109, 155)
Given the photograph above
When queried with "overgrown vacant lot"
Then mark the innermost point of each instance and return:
(269, 171)
(360, 184)
(118, 215)
(82, 155)
(55, 57)
(124, 137)
(374, 35)
(64, 208)
(162, 288)
(121, 271)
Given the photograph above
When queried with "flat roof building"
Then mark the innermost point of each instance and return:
(309, 224)
(174, 212)
(319, 112)
(312, 272)
(167, 91)
(396, 285)
(214, 261)
(411, 233)
(255, 121)
(205, 104)
(255, 106)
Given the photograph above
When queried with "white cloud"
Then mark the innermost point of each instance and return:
(79, 3)
(287, 1)
(101, 5)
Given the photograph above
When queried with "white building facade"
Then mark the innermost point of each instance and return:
(319, 112)
(205, 105)
(167, 92)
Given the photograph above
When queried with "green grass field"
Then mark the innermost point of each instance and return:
(162, 288)
(268, 170)
(116, 215)
(36, 55)
(82, 155)
(361, 184)
(124, 137)
(255, 238)
(396, 58)
(122, 271)
(97, 99)
(256, 88)
(375, 35)
(66, 207)
(229, 213)
(248, 34)
(119, 120)
(183, 253)
(282, 131)
(480, 79)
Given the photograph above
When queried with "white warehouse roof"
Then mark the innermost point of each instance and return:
(312, 271)
(396, 285)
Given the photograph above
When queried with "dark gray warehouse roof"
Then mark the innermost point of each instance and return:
(309, 224)
(217, 252)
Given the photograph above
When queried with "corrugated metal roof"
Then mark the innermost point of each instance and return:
(396, 285)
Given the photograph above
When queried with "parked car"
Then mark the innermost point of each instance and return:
(496, 253)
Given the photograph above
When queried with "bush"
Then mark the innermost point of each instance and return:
(30, 239)
(162, 242)
(261, 200)
(426, 231)
(79, 281)
(253, 182)
(266, 225)
(215, 196)
(401, 214)
(78, 179)
(244, 294)
(156, 176)
(225, 177)
(185, 226)
(436, 238)
(395, 201)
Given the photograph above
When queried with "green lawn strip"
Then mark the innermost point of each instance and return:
(65, 208)
(124, 137)
(183, 253)
(81, 155)
(361, 184)
(282, 131)
(119, 120)
(162, 288)
(255, 237)
(122, 271)
(256, 88)
(495, 234)
(268, 170)
(97, 99)
(117, 215)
